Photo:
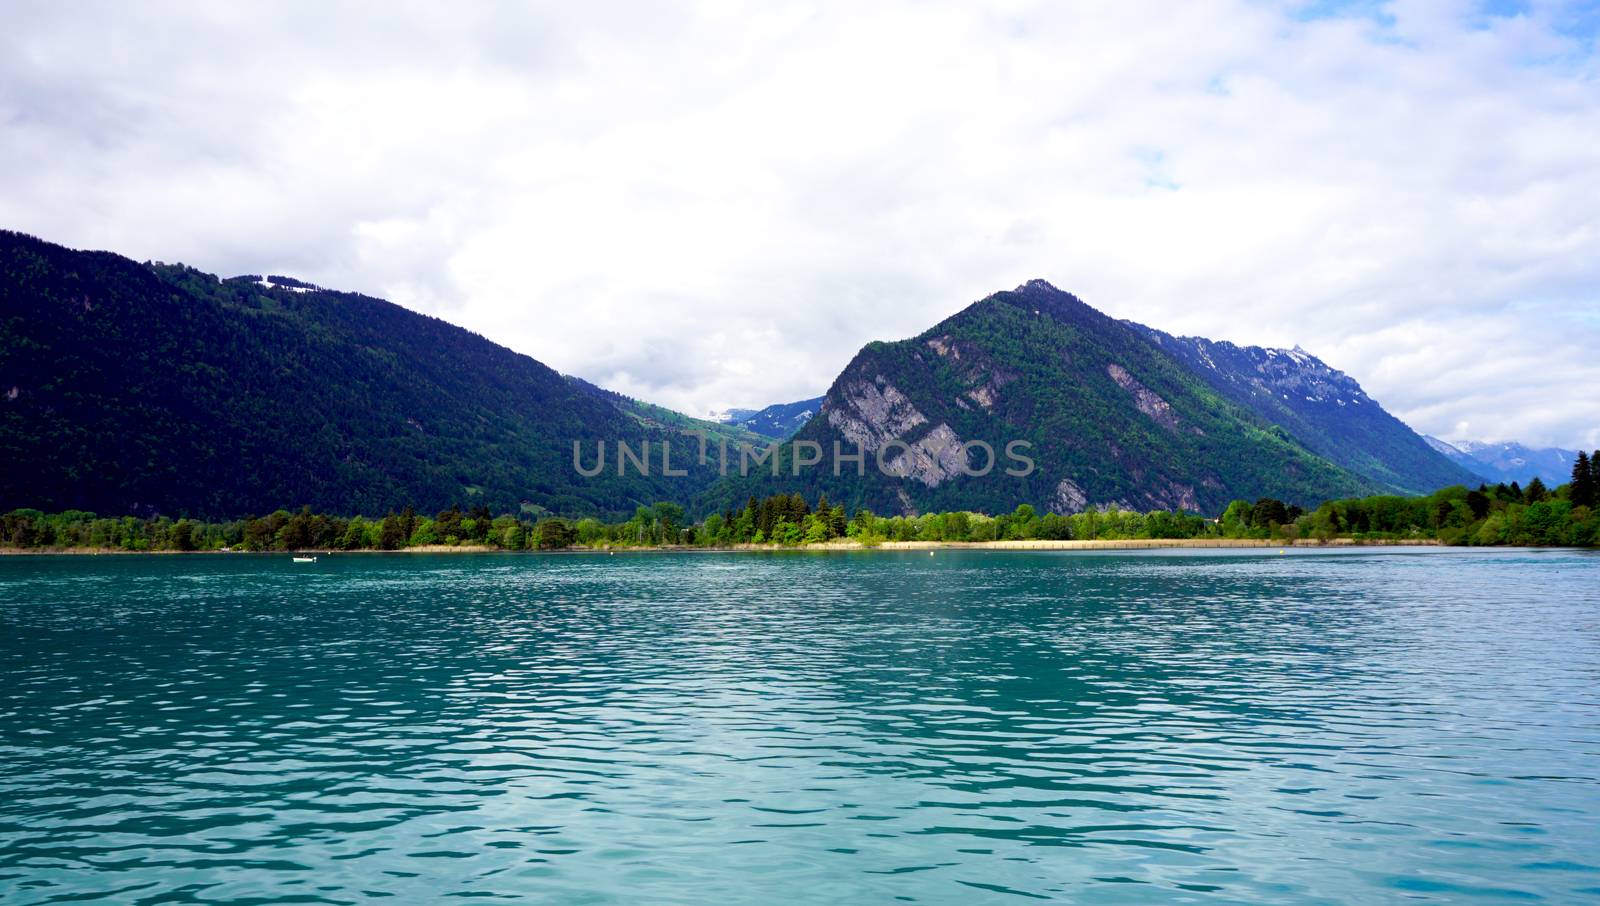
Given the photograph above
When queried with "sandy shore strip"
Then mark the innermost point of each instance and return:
(1142, 544)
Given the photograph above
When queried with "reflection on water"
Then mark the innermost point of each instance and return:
(1172, 727)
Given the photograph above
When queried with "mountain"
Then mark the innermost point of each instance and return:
(1321, 407)
(1508, 461)
(729, 416)
(778, 421)
(1112, 418)
(682, 429)
(140, 388)
(143, 388)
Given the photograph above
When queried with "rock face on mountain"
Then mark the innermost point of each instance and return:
(133, 388)
(1106, 416)
(1321, 407)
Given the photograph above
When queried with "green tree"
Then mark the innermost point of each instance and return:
(1268, 512)
(1478, 503)
(863, 524)
(355, 534)
(668, 517)
(261, 534)
(1023, 522)
(744, 526)
(1236, 519)
(713, 530)
(392, 533)
(482, 522)
(1582, 490)
(837, 524)
(815, 530)
(297, 534)
(591, 531)
(1536, 491)
(555, 534)
(447, 525)
(797, 509)
(427, 532)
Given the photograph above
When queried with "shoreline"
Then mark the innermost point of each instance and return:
(1035, 544)
(1153, 544)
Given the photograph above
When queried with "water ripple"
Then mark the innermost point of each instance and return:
(1165, 727)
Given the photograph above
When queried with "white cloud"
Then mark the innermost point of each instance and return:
(710, 206)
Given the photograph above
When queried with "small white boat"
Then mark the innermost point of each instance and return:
(305, 559)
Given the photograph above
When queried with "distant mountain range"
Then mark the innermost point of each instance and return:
(139, 388)
(779, 421)
(1508, 461)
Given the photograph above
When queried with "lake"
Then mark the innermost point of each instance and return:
(1362, 726)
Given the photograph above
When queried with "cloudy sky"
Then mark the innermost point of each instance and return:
(712, 205)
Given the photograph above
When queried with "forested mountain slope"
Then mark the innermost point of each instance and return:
(779, 420)
(1322, 407)
(140, 388)
(1111, 419)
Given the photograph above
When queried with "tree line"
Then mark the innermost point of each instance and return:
(786, 520)
(1504, 514)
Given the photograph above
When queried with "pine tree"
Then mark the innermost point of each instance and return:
(837, 524)
(481, 521)
(1478, 502)
(1582, 490)
(863, 520)
(767, 517)
(1536, 491)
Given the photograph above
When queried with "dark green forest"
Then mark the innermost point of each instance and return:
(1499, 515)
(158, 389)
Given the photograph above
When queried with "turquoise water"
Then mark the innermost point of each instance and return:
(1172, 727)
